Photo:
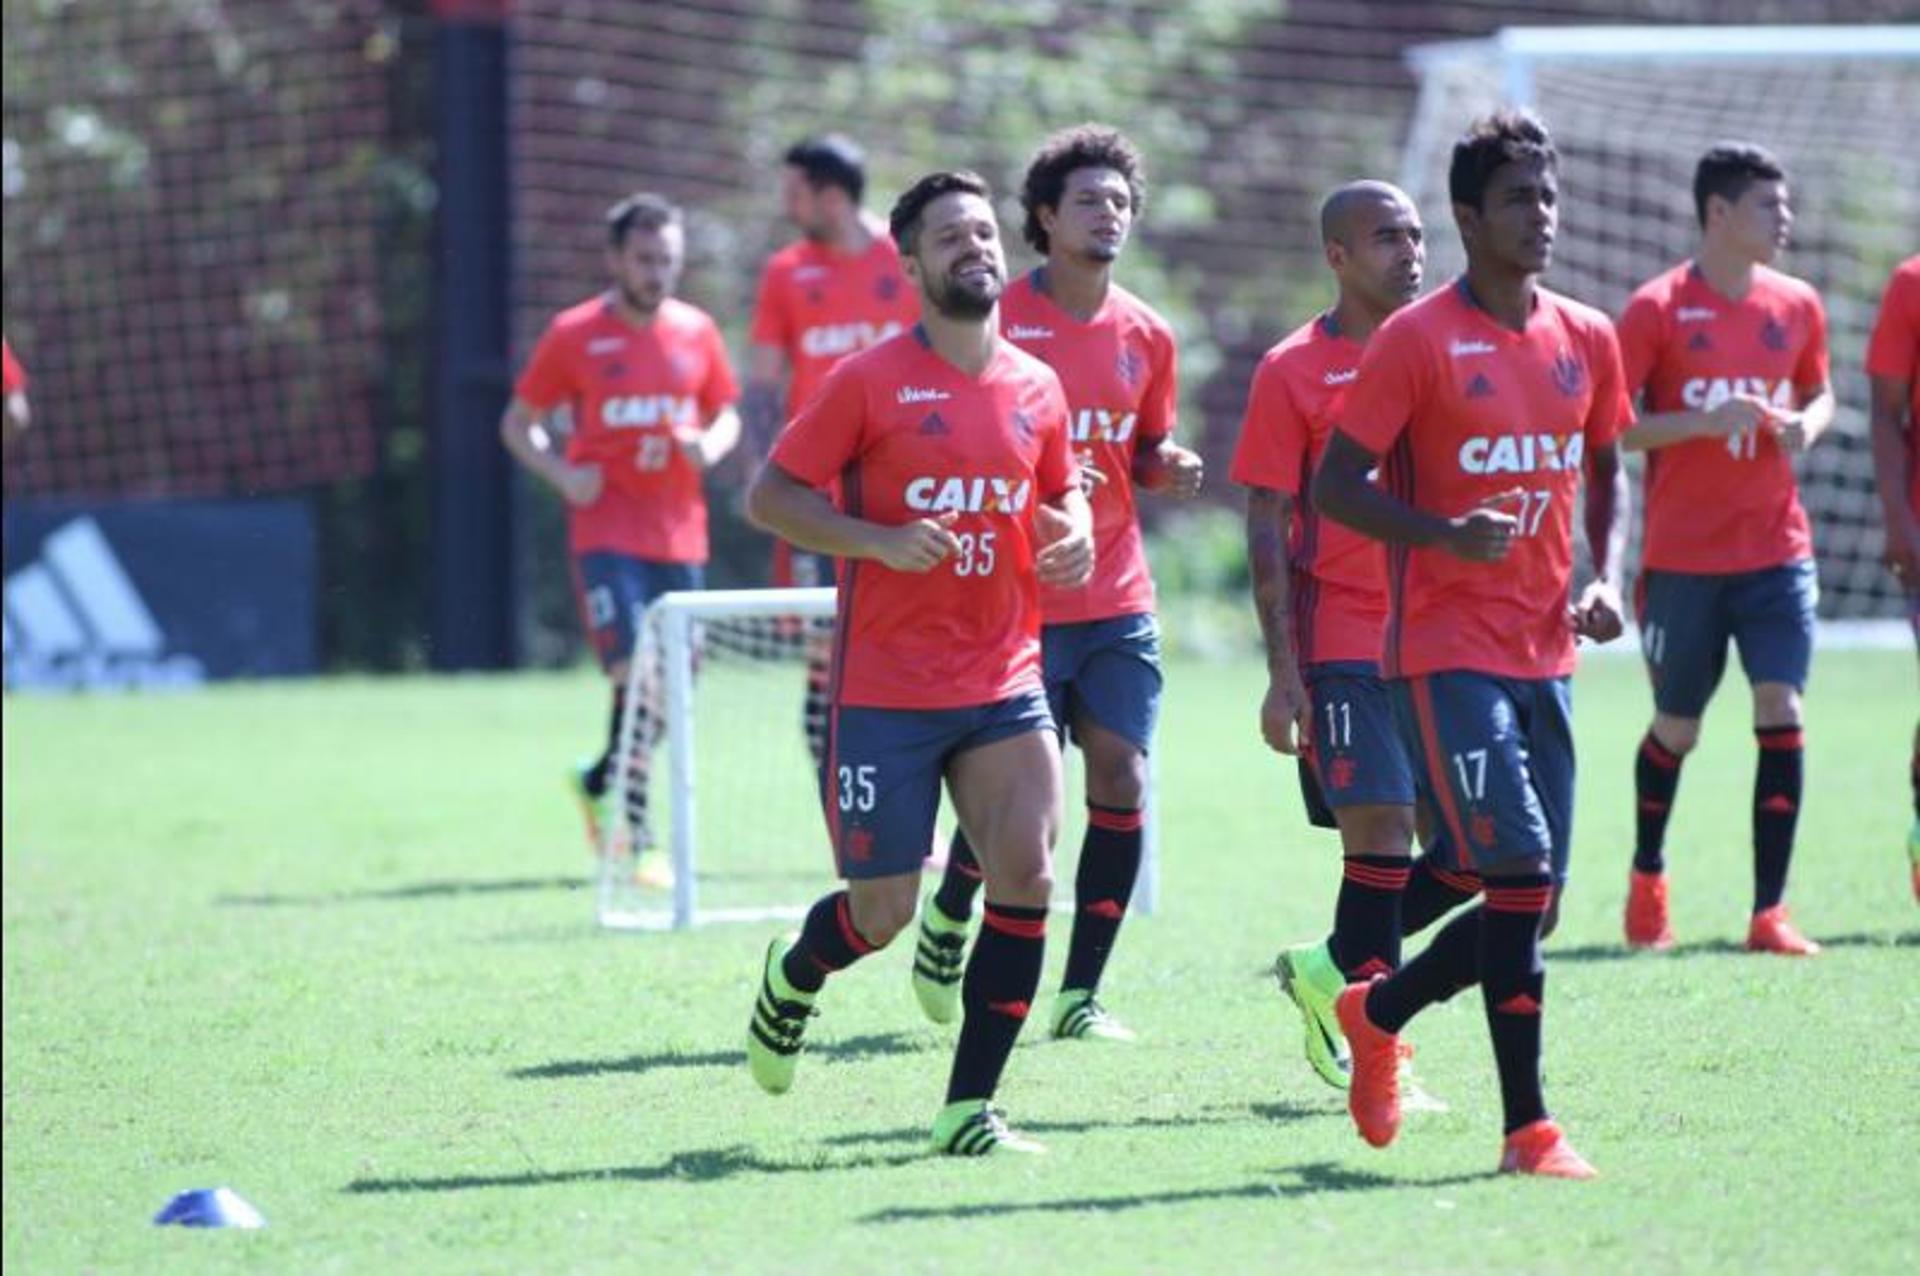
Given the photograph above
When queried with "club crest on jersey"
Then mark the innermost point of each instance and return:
(1773, 334)
(1023, 425)
(683, 365)
(980, 494)
(1522, 453)
(1130, 366)
(643, 411)
(1569, 377)
(1707, 393)
(1097, 425)
(831, 340)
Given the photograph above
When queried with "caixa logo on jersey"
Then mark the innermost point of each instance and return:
(831, 340)
(1523, 453)
(1704, 394)
(157, 595)
(975, 495)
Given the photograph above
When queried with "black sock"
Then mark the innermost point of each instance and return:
(961, 882)
(1432, 891)
(1777, 783)
(1513, 984)
(1656, 776)
(1914, 778)
(1002, 975)
(828, 943)
(1102, 888)
(597, 774)
(1451, 962)
(1366, 916)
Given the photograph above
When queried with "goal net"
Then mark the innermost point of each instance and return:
(1632, 109)
(716, 770)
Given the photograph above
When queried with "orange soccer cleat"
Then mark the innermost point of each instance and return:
(1772, 931)
(1373, 1092)
(1541, 1148)
(1647, 925)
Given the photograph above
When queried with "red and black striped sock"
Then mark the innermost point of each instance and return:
(1102, 888)
(828, 943)
(1366, 916)
(1451, 962)
(1777, 783)
(1656, 777)
(1002, 975)
(961, 882)
(1513, 984)
(1433, 892)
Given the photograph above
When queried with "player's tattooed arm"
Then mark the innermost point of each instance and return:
(1343, 492)
(1893, 459)
(790, 509)
(1285, 712)
(1599, 614)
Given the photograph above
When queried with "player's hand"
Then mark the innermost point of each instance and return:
(1184, 471)
(579, 484)
(1091, 475)
(1286, 715)
(692, 444)
(919, 546)
(1598, 616)
(1066, 561)
(1738, 414)
(1789, 429)
(1484, 534)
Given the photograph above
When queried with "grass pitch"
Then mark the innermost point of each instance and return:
(329, 943)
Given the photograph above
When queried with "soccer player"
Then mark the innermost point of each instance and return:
(646, 382)
(1729, 358)
(836, 290)
(1893, 369)
(955, 497)
(1320, 592)
(1100, 642)
(19, 413)
(1483, 402)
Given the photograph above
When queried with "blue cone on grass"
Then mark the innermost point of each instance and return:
(210, 1207)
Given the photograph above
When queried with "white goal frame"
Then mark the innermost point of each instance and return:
(672, 622)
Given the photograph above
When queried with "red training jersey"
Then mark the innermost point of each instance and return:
(1119, 372)
(633, 391)
(1464, 409)
(1339, 577)
(818, 305)
(1721, 505)
(15, 375)
(900, 434)
(1894, 352)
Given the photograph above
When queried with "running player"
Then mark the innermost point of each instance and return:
(1487, 399)
(955, 497)
(645, 380)
(835, 290)
(1100, 642)
(1320, 592)
(1893, 366)
(1729, 358)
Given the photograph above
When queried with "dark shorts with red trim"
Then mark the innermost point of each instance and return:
(614, 590)
(881, 776)
(1687, 619)
(1356, 756)
(1106, 672)
(1494, 757)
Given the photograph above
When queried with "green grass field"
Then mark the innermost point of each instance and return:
(330, 944)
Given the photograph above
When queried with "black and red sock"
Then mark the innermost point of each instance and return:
(1433, 892)
(1451, 962)
(599, 774)
(1777, 783)
(961, 882)
(1366, 916)
(1002, 976)
(1102, 889)
(1513, 984)
(1656, 777)
(829, 942)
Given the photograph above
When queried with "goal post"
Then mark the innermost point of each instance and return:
(711, 738)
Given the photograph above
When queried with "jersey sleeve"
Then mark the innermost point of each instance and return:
(829, 430)
(1640, 330)
(770, 326)
(1159, 406)
(1055, 471)
(1272, 449)
(720, 389)
(546, 382)
(1810, 375)
(1894, 349)
(1395, 373)
(16, 375)
(1611, 413)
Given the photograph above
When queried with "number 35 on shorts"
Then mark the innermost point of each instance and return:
(858, 787)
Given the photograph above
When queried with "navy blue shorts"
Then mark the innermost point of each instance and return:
(1495, 759)
(1356, 756)
(880, 780)
(613, 590)
(1108, 671)
(1686, 620)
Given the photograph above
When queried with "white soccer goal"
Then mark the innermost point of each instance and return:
(1631, 109)
(733, 793)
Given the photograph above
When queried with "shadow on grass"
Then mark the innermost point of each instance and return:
(872, 1046)
(1722, 947)
(1311, 1179)
(1218, 1116)
(705, 1165)
(416, 890)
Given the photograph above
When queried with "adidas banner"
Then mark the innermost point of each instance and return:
(162, 594)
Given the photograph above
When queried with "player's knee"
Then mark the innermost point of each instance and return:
(1376, 830)
(1676, 735)
(617, 673)
(1776, 704)
(1118, 781)
(880, 913)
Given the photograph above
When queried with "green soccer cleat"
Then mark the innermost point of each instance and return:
(1313, 983)
(972, 1128)
(1078, 1015)
(937, 963)
(780, 1014)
